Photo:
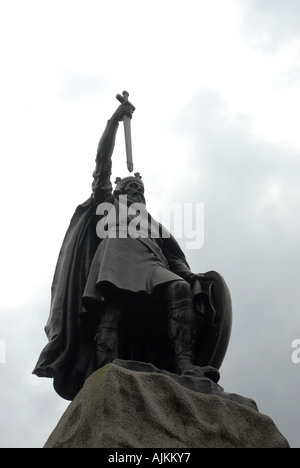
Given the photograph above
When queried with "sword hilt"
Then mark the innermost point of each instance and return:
(124, 99)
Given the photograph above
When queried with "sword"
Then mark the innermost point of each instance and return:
(127, 130)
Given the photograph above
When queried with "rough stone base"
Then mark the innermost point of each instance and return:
(121, 408)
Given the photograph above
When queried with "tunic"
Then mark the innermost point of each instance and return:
(134, 264)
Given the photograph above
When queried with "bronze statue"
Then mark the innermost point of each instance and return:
(116, 294)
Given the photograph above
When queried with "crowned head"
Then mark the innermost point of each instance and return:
(132, 187)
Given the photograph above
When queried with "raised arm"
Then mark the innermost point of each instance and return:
(101, 186)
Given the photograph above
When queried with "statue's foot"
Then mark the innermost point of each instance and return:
(184, 367)
(207, 371)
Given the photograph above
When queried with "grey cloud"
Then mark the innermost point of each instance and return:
(235, 167)
(252, 239)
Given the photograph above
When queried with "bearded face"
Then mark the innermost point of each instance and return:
(133, 188)
(135, 191)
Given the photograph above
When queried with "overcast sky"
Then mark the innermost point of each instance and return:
(216, 85)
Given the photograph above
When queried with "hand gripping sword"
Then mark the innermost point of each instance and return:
(127, 130)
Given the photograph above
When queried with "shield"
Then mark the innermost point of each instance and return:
(212, 297)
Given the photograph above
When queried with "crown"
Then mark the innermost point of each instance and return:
(136, 174)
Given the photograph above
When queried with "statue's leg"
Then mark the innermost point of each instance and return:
(182, 329)
(107, 336)
(181, 319)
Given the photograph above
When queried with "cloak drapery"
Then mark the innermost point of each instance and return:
(65, 357)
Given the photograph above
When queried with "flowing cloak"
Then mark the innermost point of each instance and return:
(65, 357)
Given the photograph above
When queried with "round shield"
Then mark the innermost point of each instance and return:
(214, 317)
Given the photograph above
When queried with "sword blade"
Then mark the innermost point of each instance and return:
(128, 145)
